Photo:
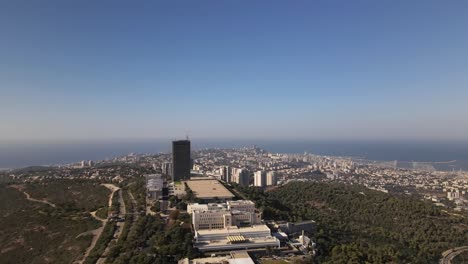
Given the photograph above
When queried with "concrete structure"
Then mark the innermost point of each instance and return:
(205, 207)
(181, 161)
(224, 215)
(240, 176)
(453, 195)
(225, 172)
(166, 168)
(232, 238)
(260, 179)
(235, 257)
(297, 228)
(271, 178)
(154, 186)
(209, 189)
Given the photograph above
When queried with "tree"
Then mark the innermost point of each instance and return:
(174, 214)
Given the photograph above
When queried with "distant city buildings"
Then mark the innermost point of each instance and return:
(260, 179)
(271, 178)
(241, 176)
(181, 161)
(166, 168)
(225, 172)
(453, 195)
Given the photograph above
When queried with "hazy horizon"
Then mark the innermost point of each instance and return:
(318, 70)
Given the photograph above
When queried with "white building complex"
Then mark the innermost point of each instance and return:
(229, 226)
(224, 215)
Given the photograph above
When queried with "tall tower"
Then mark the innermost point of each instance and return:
(181, 161)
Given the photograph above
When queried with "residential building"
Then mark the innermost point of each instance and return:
(260, 179)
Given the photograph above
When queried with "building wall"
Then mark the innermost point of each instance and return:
(223, 215)
(260, 179)
(271, 178)
(181, 161)
(210, 219)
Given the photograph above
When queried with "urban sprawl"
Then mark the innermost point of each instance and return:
(226, 226)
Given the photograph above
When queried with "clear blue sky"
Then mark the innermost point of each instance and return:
(234, 69)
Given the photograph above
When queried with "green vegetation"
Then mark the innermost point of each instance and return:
(102, 212)
(461, 259)
(358, 225)
(147, 238)
(34, 232)
(115, 208)
(150, 240)
(107, 234)
(81, 195)
(156, 207)
(101, 244)
(138, 190)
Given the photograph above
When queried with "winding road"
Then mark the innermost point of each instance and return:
(450, 254)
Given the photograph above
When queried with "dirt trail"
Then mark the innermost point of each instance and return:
(28, 196)
(97, 232)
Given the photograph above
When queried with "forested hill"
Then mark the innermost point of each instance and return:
(358, 225)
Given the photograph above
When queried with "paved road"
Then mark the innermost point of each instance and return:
(118, 232)
(450, 254)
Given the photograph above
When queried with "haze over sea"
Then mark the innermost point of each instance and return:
(14, 155)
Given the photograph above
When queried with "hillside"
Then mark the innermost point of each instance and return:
(53, 226)
(358, 225)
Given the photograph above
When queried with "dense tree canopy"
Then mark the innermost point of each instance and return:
(358, 225)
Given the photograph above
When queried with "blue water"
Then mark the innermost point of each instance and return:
(13, 155)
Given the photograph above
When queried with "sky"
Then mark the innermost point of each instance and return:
(354, 70)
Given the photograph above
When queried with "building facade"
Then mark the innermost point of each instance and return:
(181, 161)
(271, 178)
(240, 176)
(223, 215)
(260, 179)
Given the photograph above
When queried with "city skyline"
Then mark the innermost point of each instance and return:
(349, 71)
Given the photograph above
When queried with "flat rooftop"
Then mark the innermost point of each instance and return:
(224, 244)
(234, 230)
(209, 189)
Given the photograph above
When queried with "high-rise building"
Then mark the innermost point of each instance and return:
(226, 173)
(240, 176)
(260, 179)
(271, 179)
(181, 161)
(166, 168)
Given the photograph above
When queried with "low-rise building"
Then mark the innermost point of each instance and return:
(224, 215)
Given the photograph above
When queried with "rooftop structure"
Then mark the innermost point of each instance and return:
(256, 236)
(209, 190)
(235, 257)
(224, 215)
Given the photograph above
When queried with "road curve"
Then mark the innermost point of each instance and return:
(449, 255)
(97, 232)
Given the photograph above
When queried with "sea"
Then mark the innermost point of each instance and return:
(445, 155)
